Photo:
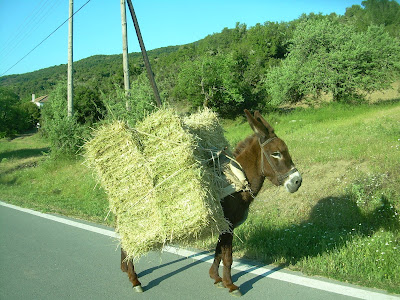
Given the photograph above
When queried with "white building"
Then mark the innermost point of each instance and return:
(40, 101)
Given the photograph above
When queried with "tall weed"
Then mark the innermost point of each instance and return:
(130, 107)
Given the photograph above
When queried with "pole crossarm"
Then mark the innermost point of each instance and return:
(144, 53)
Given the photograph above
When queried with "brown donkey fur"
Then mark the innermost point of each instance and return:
(277, 166)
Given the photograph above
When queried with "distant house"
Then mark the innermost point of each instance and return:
(40, 101)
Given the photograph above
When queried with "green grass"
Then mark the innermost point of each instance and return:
(30, 178)
(343, 223)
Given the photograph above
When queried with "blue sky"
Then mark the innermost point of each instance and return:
(97, 27)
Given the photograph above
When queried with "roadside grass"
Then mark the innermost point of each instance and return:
(343, 223)
(32, 179)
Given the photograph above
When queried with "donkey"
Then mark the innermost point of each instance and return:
(261, 155)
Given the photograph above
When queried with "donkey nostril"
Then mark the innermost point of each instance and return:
(297, 181)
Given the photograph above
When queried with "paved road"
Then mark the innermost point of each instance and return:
(50, 257)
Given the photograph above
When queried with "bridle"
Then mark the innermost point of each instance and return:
(280, 177)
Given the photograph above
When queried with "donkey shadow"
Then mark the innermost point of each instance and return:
(158, 280)
(332, 222)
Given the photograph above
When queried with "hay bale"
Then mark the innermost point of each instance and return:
(158, 185)
(205, 127)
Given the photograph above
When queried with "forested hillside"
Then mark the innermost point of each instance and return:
(104, 69)
(257, 66)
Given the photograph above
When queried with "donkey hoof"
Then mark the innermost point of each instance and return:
(138, 289)
(219, 284)
(236, 293)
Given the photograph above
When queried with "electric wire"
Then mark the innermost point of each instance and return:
(24, 25)
(34, 48)
(31, 26)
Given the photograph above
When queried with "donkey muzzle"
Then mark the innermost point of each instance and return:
(293, 182)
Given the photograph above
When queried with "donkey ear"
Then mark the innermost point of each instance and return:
(258, 127)
(260, 119)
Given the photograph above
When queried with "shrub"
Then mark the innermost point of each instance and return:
(10, 113)
(65, 134)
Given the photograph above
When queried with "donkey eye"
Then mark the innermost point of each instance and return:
(276, 155)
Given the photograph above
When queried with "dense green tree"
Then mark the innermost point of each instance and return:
(327, 56)
(376, 12)
(88, 106)
(210, 81)
(15, 117)
(8, 112)
(32, 114)
(223, 41)
(267, 41)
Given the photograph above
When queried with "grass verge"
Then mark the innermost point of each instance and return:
(32, 179)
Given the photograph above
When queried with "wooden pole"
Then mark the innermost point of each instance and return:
(125, 47)
(70, 60)
(144, 53)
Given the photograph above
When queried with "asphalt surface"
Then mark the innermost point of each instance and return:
(49, 257)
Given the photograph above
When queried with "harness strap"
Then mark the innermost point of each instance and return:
(280, 177)
(263, 153)
(235, 177)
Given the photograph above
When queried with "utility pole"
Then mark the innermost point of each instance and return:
(125, 53)
(144, 53)
(70, 60)
(125, 46)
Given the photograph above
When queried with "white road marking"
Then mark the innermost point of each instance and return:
(63, 221)
(239, 266)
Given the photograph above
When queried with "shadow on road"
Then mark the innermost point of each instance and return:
(157, 281)
(248, 285)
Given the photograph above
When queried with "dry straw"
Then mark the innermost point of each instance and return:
(159, 180)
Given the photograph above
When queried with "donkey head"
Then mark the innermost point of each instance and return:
(275, 161)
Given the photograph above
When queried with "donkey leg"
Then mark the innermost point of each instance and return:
(124, 264)
(127, 266)
(215, 265)
(137, 286)
(226, 249)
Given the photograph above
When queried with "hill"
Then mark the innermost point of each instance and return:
(98, 67)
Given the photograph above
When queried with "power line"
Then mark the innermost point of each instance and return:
(44, 39)
(25, 24)
(30, 27)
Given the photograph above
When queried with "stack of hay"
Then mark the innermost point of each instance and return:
(160, 185)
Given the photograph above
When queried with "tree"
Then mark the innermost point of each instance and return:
(376, 12)
(16, 117)
(32, 113)
(88, 107)
(328, 56)
(210, 81)
(8, 112)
